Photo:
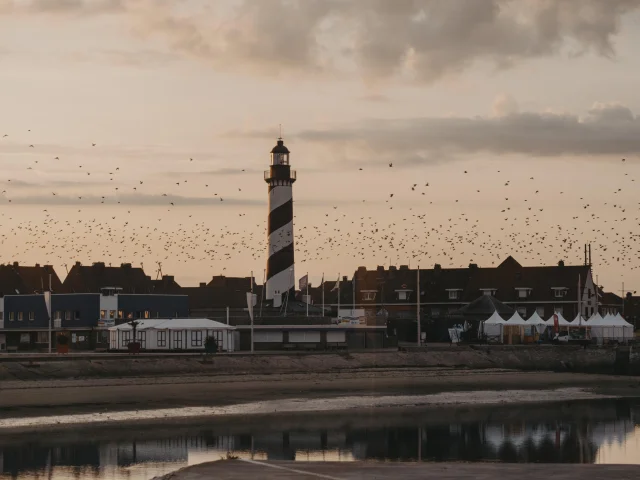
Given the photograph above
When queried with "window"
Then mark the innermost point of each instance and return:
(141, 337)
(67, 315)
(120, 314)
(488, 291)
(540, 311)
(57, 315)
(103, 314)
(125, 337)
(559, 292)
(12, 316)
(523, 292)
(112, 314)
(196, 338)
(77, 315)
(177, 339)
(32, 316)
(403, 295)
(522, 311)
(435, 312)
(43, 337)
(558, 310)
(20, 316)
(454, 294)
(368, 296)
(162, 339)
(138, 314)
(146, 314)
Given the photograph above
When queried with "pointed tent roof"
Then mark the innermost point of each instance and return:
(485, 305)
(515, 319)
(561, 320)
(576, 321)
(495, 319)
(536, 319)
(596, 320)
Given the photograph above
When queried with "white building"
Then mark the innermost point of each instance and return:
(173, 334)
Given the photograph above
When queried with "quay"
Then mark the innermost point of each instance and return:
(242, 469)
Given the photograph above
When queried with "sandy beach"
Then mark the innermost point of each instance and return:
(63, 397)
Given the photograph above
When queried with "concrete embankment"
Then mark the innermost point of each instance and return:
(241, 469)
(547, 358)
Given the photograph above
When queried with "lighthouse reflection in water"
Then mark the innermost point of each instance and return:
(580, 432)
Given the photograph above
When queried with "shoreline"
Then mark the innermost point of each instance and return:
(301, 406)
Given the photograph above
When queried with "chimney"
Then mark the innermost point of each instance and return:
(404, 267)
(345, 278)
(123, 265)
(203, 284)
(16, 264)
(37, 265)
(362, 269)
(78, 264)
(393, 269)
(169, 278)
(473, 266)
(589, 254)
(561, 263)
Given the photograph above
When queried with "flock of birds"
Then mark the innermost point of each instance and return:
(198, 241)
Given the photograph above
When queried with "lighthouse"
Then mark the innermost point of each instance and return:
(280, 263)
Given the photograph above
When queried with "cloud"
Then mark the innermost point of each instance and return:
(127, 199)
(609, 129)
(424, 40)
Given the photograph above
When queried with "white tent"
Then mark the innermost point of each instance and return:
(579, 321)
(609, 328)
(172, 334)
(561, 321)
(492, 327)
(537, 322)
(516, 319)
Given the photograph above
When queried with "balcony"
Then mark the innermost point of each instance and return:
(280, 174)
(57, 323)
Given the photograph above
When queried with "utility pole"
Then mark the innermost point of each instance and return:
(418, 308)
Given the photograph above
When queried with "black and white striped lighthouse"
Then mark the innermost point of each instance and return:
(280, 272)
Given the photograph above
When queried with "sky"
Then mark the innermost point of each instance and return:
(499, 127)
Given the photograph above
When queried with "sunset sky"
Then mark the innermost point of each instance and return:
(186, 96)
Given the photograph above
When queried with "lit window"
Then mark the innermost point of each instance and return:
(12, 316)
(112, 314)
(20, 316)
(103, 314)
(146, 314)
(120, 314)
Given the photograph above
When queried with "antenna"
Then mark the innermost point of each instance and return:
(280, 137)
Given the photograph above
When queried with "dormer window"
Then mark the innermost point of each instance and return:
(559, 292)
(368, 295)
(403, 294)
(489, 291)
(454, 293)
(523, 292)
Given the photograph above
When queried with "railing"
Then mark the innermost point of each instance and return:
(268, 176)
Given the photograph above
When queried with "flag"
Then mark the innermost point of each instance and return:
(303, 282)
(337, 284)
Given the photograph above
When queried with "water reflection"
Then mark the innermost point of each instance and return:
(581, 432)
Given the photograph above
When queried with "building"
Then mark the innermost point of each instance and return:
(280, 240)
(16, 279)
(25, 320)
(393, 292)
(92, 279)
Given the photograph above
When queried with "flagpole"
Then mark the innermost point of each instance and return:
(353, 286)
(307, 294)
(418, 308)
(323, 294)
(338, 296)
(579, 302)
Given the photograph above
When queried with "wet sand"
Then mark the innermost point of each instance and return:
(243, 469)
(60, 397)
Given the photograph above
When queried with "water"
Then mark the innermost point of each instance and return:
(602, 431)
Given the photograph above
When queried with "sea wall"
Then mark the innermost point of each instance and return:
(547, 358)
